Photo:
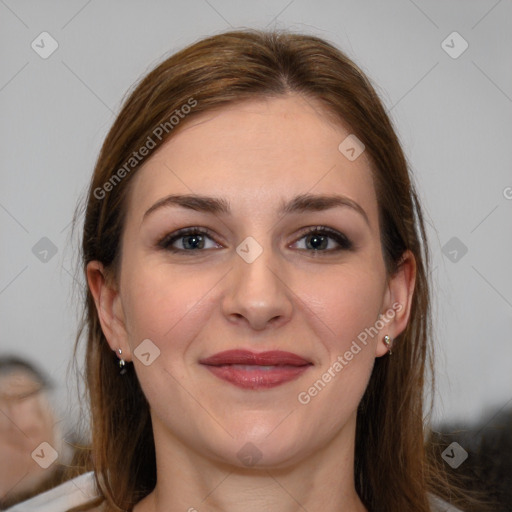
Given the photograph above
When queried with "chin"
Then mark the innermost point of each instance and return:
(265, 448)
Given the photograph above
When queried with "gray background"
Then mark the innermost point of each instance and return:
(453, 116)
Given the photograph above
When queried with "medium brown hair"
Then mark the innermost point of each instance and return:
(392, 471)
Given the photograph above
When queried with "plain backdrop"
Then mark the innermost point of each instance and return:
(452, 110)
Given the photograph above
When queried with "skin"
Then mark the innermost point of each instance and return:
(293, 298)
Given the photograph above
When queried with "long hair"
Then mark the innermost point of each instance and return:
(392, 471)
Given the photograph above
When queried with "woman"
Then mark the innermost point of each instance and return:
(257, 308)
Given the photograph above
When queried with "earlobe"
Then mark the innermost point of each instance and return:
(109, 308)
(398, 302)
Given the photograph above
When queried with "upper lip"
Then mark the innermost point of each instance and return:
(246, 357)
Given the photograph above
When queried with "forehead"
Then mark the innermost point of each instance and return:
(17, 381)
(265, 149)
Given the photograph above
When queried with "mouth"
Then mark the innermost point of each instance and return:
(250, 370)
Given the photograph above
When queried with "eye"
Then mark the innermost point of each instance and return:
(28, 394)
(188, 240)
(195, 239)
(317, 240)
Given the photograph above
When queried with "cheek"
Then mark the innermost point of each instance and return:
(165, 305)
(349, 302)
(34, 416)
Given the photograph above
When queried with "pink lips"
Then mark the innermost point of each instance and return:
(250, 370)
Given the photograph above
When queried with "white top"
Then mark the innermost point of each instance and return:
(439, 505)
(74, 492)
(81, 489)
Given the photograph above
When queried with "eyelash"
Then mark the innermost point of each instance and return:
(342, 240)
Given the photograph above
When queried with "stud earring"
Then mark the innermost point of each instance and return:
(122, 363)
(389, 343)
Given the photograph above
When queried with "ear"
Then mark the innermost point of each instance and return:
(396, 307)
(109, 308)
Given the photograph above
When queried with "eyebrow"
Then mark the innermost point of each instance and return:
(299, 204)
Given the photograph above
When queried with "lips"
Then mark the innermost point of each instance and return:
(250, 370)
(272, 358)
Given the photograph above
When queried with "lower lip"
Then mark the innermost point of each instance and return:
(255, 377)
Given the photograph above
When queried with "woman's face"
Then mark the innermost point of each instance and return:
(257, 281)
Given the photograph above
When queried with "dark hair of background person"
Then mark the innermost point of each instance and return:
(488, 467)
(392, 469)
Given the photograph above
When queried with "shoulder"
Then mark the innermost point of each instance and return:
(69, 494)
(439, 505)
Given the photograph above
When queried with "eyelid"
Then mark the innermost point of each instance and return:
(165, 241)
(341, 239)
(344, 242)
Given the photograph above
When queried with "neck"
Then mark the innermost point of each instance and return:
(189, 481)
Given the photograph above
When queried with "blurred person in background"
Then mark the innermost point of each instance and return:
(32, 450)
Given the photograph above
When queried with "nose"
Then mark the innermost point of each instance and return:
(257, 294)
